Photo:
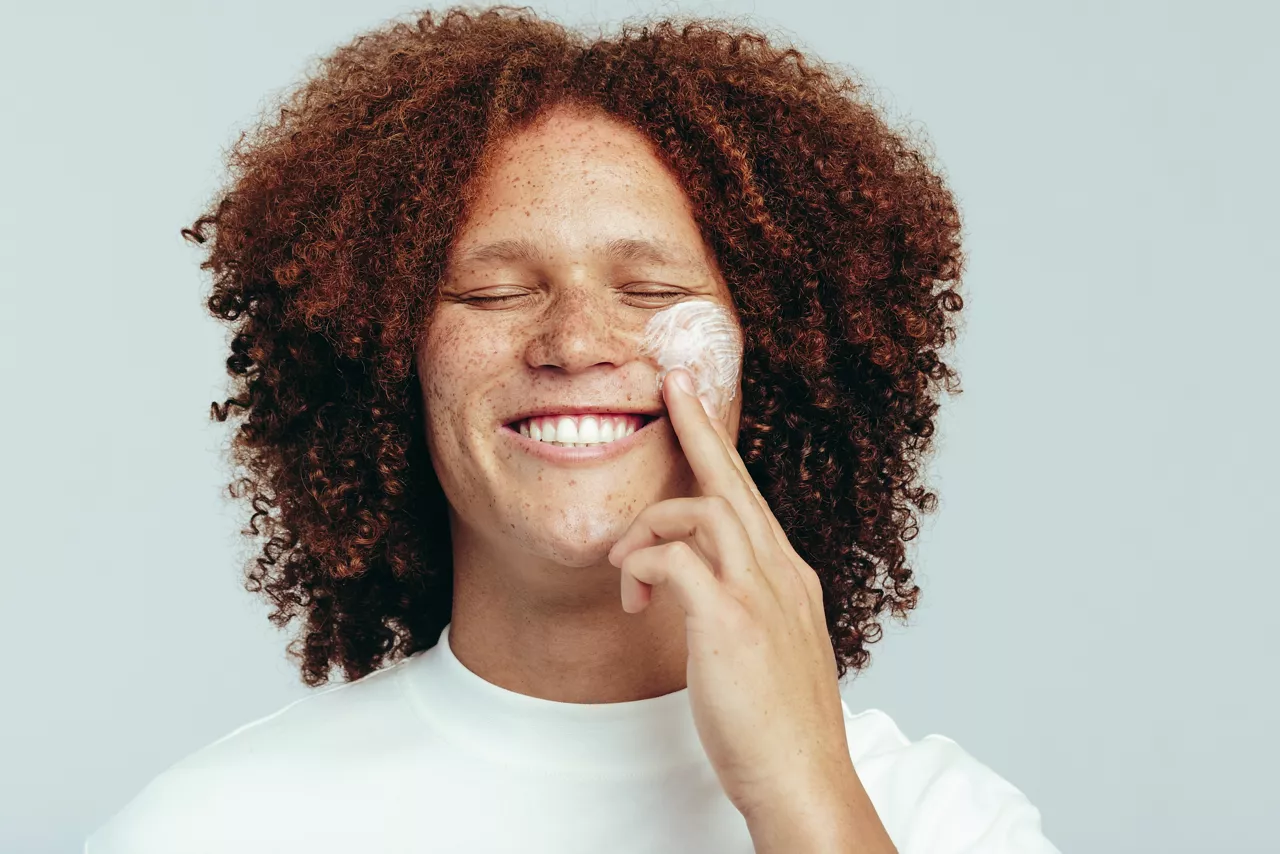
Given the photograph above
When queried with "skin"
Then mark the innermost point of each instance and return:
(536, 602)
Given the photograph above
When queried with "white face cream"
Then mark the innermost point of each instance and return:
(703, 338)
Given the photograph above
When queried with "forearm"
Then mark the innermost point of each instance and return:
(839, 820)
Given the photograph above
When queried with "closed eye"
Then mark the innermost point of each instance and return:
(655, 295)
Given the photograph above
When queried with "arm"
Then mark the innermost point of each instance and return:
(836, 819)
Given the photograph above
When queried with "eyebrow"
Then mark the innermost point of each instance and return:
(621, 249)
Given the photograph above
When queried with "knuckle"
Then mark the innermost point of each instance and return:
(680, 550)
(718, 505)
(720, 511)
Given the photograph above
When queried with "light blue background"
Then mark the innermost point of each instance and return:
(1100, 587)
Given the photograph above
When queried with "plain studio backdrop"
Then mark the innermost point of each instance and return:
(1100, 579)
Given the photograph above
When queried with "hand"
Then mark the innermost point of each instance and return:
(761, 668)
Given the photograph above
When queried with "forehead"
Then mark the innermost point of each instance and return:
(578, 184)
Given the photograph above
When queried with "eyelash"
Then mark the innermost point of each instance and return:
(657, 294)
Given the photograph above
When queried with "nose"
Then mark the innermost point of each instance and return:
(582, 327)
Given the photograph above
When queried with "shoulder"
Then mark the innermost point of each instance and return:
(933, 796)
(231, 788)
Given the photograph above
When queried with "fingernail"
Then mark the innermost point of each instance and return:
(683, 382)
(706, 404)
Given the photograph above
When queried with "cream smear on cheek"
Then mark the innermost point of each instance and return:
(701, 337)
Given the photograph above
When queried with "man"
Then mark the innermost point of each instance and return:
(607, 628)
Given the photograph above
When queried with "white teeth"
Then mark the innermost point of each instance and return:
(584, 432)
(566, 430)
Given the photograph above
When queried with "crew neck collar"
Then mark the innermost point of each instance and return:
(631, 737)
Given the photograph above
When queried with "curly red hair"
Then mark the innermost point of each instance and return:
(838, 239)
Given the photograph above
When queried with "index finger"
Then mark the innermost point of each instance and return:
(711, 459)
(698, 439)
(738, 463)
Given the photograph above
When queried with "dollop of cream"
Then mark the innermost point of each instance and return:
(703, 338)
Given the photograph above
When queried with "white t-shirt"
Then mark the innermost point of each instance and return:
(425, 756)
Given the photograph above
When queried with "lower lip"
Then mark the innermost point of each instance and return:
(593, 454)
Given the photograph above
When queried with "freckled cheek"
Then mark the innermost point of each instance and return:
(458, 381)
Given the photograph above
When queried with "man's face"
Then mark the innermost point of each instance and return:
(563, 340)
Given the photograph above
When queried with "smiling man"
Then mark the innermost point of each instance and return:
(577, 610)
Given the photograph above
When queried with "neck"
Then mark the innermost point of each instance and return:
(556, 632)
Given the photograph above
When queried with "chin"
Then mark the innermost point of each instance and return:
(578, 540)
(578, 556)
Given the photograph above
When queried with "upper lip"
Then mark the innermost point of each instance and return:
(583, 409)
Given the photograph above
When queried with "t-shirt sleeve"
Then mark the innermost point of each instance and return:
(935, 798)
